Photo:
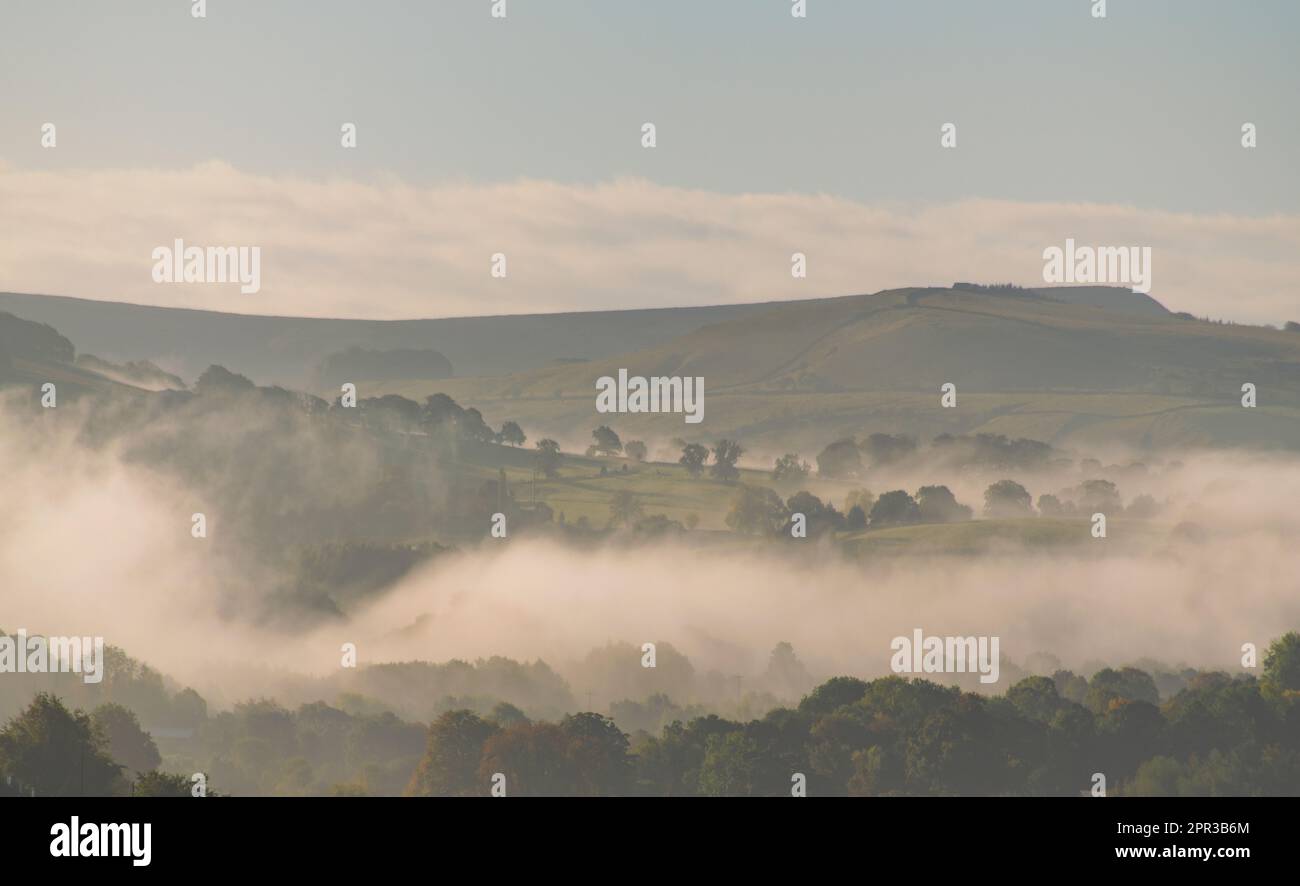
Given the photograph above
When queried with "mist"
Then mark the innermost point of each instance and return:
(95, 541)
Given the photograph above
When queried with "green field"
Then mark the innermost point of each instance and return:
(799, 375)
(581, 492)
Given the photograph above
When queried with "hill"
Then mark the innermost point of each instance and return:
(1055, 365)
(1082, 366)
(35, 353)
(287, 350)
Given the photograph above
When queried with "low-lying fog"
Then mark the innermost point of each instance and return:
(93, 545)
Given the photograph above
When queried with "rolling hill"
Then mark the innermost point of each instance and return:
(1025, 362)
(1066, 365)
(288, 350)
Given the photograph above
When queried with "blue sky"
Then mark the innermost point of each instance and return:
(1141, 108)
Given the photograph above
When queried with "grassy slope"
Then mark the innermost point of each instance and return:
(1072, 366)
(801, 374)
(667, 489)
(66, 377)
(284, 350)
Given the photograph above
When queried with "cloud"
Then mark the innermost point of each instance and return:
(385, 249)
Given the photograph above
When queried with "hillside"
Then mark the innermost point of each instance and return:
(1083, 366)
(1026, 363)
(34, 353)
(287, 350)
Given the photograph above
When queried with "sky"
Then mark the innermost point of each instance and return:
(522, 135)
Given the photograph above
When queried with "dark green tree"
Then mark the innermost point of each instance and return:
(937, 504)
(57, 752)
(607, 442)
(548, 457)
(511, 434)
(725, 455)
(840, 460)
(756, 510)
(693, 458)
(1007, 498)
(895, 508)
(126, 742)
(450, 765)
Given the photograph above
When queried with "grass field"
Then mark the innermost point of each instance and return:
(581, 492)
(799, 375)
(777, 422)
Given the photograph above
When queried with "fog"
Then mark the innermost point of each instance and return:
(94, 541)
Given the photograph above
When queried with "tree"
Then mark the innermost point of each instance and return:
(731, 766)
(756, 510)
(1051, 506)
(790, 468)
(1282, 664)
(1099, 496)
(220, 380)
(693, 458)
(598, 750)
(725, 455)
(952, 751)
(127, 743)
(861, 498)
(390, 414)
(894, 508)
(511, 434)
(607, 442)
(636, 449)
(820, 516)
(1036, 698)
(884, 449)
(840, 460)
(1126, 684)
(855, 519)
(533, 757)
(938, 505)
(548, 457)
(56, 752)
(658, 525)
(164, 784)
(786, 674)
(505, 714)
(1130, 732)
(471, 426)
(1007, 498)
(833, 694)
(624, 508)
(1144, 507)
(450, 765)
(189, 709)
(439, 409)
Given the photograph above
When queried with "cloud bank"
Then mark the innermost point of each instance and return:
(385, 249)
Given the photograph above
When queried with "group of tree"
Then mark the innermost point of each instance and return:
(50, 751)
(606, 442)
(389, 413)
(844, 459)
(725, 454)
(1009, 499)
(1220, 735)
(759, 510)
(848, 458)
(1211, 734)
